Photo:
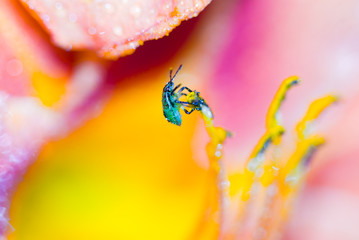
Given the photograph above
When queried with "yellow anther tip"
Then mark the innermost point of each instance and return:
(316, 141)
(229, 134)
(291, 81)
(221, 134)
(334, 98)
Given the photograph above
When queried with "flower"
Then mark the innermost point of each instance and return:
(127, 173)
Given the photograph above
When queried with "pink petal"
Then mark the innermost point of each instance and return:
(112, 28)
(25, 122)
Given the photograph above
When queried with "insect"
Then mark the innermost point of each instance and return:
(171, 100)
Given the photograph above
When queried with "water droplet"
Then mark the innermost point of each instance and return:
(117, 30)
(31, 5)
(218, 153)
(259, 172)
(91, 30)
(72, 17)
(133, 45)
(290, 179)
(58, 5)
(45, 17)
(60, 10)
(275, 168)
(205, 110)
(226, 184)
(109, 8)
(135, 11)
(14, 67)
(255, 162)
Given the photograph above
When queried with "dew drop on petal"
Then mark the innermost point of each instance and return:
(117, 30)
(275, 168)
(14, 67)
(58, 5)
(109, 8)
(72, 17)
(91, 30)
(226, 184)
(30, 4)
(255, 162)
(217, 153)
(135, 11)
(45, 17)
(290, 179)
(207, 112)
(132, 45)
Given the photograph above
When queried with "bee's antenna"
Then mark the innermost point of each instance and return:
(171, 78)
(171, 74)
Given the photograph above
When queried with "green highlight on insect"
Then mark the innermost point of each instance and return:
(175, 98)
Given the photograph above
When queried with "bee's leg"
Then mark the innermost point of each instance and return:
(182, 94)
(185, 103)
(176, 88)
(183, 88)
(185, 110)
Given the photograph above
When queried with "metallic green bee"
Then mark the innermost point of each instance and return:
(172, 105)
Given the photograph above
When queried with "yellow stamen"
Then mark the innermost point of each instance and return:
(307, 142)
(272, 135)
